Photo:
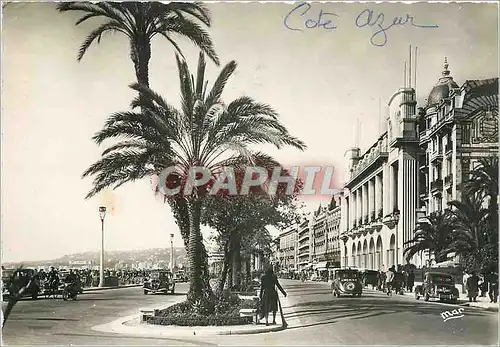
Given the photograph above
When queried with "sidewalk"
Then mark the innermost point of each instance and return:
(132, 326)
(93, 289)
(463, 300)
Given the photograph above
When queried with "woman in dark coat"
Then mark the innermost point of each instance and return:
(269, 295)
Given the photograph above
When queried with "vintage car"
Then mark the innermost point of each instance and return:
(180, 276)
(159, 281)
(369, 277)
(347, 281)
(13, 280)
(437, 285)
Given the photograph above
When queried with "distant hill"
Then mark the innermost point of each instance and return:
(153, 255)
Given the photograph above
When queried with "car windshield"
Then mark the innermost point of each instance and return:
(441, 279)
(155, 275)
(347, 274)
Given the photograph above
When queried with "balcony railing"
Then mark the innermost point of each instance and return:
(437, 185)
(379, 150)
(436, 155)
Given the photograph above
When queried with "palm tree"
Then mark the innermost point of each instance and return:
(140, 22)
(432, 234)
(468, 220)
(204, 132)
(483, 182)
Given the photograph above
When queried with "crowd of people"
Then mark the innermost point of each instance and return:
(478, 285)
(87, 277)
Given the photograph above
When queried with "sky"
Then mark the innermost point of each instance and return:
(320, 79)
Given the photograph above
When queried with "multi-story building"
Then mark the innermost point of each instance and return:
(318, 236)
(457, 127)
(332, 252)
(288, 248)
(395, 177)
(303, 252)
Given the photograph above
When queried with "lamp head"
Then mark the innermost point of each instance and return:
(102, 212)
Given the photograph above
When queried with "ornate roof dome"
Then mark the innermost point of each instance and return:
(442, 88)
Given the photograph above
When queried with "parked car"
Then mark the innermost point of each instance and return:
(437, 285)
(159, 281)
(370, 277)
(180, 276)
(13, 280)
(347, 281)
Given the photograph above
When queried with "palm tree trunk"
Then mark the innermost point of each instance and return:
(237, 259)
(199, 285)
(140, 53)
(225, 268)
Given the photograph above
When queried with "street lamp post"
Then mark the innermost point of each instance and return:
(102, 214)
(345, 238)
(172, 252)
(396, 215)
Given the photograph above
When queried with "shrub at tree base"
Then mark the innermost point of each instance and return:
(227, 312)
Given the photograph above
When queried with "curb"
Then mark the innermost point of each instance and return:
(120, 326)
(463, 304)
(97, 289)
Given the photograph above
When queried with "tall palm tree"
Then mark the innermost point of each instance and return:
(204, 132)
(140, 22)
(483, 182)
(432, 234)
(468, 219)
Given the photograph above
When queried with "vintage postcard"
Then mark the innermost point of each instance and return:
(249, 173)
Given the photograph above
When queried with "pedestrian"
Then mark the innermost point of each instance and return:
(411, 280)
(483, 284)
(389, 279)
(464, 282)
(472, 287)
(493, 292)
(269, 295)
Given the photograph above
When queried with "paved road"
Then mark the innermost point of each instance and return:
(54, 321)
(373, 319)
(314, 317)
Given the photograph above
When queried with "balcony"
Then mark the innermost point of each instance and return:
(436, 156)
(437, 185)
(379, 150)
(448, 180)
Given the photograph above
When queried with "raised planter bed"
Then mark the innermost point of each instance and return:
(227, 312)
(214, 320)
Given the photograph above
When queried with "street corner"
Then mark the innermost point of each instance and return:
(132, 325)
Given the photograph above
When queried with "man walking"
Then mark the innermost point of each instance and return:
(389, 279)
(493, 292)
(472, 287)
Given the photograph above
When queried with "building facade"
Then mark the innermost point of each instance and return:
(332, 252)
(417, 164)
(303, 249)
(288, 249)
